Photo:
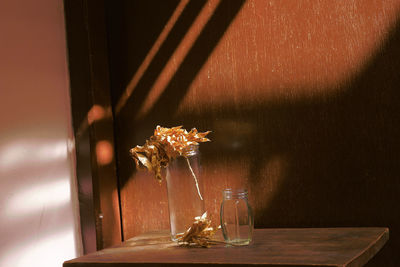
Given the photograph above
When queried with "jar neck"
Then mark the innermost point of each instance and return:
(234, 193)
(190, 150)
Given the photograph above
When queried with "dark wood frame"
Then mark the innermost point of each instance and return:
(89, 86)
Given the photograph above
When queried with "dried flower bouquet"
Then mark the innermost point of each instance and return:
(165, 145)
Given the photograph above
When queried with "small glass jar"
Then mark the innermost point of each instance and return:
(184, 187)
(237, 221)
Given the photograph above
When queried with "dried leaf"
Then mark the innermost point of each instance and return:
(199, 234)
(165, 145)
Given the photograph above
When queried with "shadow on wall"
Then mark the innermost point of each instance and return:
(341, 152)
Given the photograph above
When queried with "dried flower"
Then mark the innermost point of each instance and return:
(165, 145)
(199, 234)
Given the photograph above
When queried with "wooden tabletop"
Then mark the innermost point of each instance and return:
(270, 247)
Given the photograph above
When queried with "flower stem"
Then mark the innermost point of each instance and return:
(195, 178)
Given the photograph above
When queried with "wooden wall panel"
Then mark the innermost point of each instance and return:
(301, 97)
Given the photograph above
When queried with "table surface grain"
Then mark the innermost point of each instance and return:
(270, 247)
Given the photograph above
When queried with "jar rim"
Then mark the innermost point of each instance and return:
(238, 190)
(190, 150)
(235, 192)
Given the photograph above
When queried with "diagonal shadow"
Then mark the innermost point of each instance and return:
(198, 55)
(145, 23)
(129, 135)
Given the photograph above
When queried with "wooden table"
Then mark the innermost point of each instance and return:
(270, 247)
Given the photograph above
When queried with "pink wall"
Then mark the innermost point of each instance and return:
(39, 216)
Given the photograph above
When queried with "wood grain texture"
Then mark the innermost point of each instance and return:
(302, 98)
(271, 247)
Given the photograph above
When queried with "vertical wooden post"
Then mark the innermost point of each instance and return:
(93, 124)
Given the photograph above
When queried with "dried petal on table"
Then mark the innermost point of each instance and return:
(199, 234)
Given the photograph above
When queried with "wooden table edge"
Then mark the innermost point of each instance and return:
(370, 251)
(359, 260)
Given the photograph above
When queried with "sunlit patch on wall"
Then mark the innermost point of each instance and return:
(104, 152)
(291, 50)
(96, 113)
(32, 199)
(60, 246)
(26, 152)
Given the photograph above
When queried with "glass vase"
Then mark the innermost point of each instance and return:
(184, 187)
(237, 221)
